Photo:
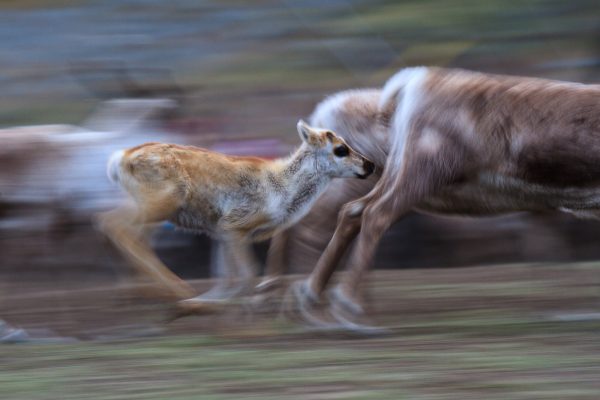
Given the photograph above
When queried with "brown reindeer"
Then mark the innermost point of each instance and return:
(237, 200)
(458, 142)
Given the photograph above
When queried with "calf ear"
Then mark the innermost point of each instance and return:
(308, 134)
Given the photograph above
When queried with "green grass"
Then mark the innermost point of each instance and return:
(519, 365)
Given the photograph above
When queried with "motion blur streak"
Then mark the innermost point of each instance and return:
(516, 317)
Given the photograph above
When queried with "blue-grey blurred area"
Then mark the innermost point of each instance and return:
(81, 79)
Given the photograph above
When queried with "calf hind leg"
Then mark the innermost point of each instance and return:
(125, 228)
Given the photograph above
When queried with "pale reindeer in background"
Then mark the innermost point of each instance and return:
(236, 200)
(455, 142)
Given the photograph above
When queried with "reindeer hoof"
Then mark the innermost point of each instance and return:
(340, 299)
(303, 305)
(351, 316)
(317, 317)
(360, 325)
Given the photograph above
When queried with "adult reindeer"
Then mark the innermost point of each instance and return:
(462, 143)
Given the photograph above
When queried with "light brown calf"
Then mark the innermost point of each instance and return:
(237, 200)
(464, 143)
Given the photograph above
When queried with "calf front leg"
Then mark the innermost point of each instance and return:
(222, 271)
(276, 262)
(245, 263)
(237, 267)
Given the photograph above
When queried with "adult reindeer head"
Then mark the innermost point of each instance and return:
(333, 154)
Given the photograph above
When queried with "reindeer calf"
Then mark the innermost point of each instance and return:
(236, 200)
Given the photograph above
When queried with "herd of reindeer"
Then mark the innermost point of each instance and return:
(432, 140)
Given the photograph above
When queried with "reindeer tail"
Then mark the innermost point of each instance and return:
(396, 84)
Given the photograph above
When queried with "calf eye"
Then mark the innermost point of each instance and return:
(341, 151)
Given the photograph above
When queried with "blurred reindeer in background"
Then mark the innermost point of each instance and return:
(53, 180)
(54, 165)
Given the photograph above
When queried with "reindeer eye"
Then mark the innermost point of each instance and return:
(341, 151)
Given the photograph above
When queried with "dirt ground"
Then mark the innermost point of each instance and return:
(495, 332)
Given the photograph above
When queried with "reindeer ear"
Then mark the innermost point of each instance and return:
(308, 134)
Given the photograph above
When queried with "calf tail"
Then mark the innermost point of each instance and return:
(113, 168)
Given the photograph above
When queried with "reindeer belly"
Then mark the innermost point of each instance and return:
(495, 194)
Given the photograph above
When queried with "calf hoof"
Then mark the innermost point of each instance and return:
(269, 284)
(193, 306)
(268, 294)
(182, 291)
(154, 291)
(225, 294)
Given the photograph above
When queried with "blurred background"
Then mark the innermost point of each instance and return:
(82, 78)
(235, 77)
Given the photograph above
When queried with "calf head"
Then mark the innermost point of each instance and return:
(332, 154)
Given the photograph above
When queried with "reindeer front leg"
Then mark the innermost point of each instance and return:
(308, 293)
(124, 227)
(419, 173)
